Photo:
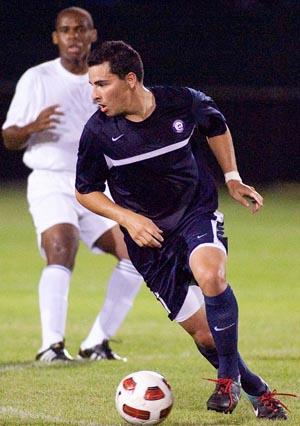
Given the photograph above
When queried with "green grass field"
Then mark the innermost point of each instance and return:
(263, 268)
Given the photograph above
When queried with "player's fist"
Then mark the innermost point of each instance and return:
(243, 193)
(143, 231)
(47, 119)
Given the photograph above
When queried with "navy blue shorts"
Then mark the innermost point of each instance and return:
(166, 271)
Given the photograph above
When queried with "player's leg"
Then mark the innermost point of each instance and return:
(208, 267)
(57, 230)
(60, 244)
(192, 317)
(123, 286)
(264, 402)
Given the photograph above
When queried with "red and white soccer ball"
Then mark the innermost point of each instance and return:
(144, 398)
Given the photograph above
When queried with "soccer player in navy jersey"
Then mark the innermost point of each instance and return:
(166, 203)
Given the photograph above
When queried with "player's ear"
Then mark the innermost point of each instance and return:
(94, 35)
(131, 79)
(54, 37)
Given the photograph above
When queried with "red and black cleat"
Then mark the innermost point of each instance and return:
(267, 406)
(225, 397)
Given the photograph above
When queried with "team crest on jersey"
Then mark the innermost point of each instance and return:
(178, 126)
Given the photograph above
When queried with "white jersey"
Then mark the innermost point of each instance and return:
(40, 87)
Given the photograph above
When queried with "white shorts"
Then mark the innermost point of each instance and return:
(51, 198)
(194, 300)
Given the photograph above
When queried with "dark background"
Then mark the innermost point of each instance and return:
(244, 53)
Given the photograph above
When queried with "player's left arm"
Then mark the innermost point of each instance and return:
(212, 123)
(223, 149)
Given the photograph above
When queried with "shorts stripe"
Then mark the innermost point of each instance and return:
(217, 245)
(162, 302)
(217, 229)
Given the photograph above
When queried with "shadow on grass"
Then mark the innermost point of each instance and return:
(15, 366)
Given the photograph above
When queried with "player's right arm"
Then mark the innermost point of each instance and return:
(16, 137)
(28, 114)
(91, 174)
(142, 230)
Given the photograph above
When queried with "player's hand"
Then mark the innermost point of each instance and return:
(242, 193)
(143, 231)
(47, 119)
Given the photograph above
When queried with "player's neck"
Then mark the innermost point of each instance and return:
(142, 106)
(75, 67)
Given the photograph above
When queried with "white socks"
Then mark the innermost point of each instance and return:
(123, 286)
(53, 299)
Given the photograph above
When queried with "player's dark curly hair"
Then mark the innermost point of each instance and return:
(121, 57)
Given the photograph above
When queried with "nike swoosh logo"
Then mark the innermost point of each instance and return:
(216, 328)
(117, 138)
(200, 236)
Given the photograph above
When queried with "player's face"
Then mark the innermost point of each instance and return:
(73, 36)
(112, 94)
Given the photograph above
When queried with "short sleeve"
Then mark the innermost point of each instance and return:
(210, 121)
(91, 169)
(22, 109)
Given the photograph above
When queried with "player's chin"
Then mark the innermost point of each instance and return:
(110, 112)
(75, 56)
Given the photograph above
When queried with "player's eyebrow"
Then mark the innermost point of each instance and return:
(69, 27)
(99, 82)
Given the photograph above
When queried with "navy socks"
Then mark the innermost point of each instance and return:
(222, 317)
(251, 383)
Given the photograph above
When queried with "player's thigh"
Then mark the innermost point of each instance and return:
(93, 228)
(206, 261)
(207, 250)
(101, 234)
(49, 207)
(193, 302)
(112, 241)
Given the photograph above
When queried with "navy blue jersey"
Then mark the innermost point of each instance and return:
(150, 166)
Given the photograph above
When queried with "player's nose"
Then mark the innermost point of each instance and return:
(95, 94)
(72, 34)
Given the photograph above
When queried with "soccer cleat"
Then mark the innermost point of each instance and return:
(225, 397)
(267, 406)
(100, 352)
(55, 352)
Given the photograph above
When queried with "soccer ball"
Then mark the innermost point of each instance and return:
(144, 398)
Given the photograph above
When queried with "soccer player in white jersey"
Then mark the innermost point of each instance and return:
(46, 117)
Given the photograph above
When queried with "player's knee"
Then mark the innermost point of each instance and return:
(208, 278)
(61, 252)
(60, 244)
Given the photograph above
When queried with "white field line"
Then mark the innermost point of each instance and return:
(15, 367)
(144, 357)
(37, 365)
(26, 415)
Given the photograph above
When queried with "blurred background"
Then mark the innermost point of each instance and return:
(243, 53)
(246, 55)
